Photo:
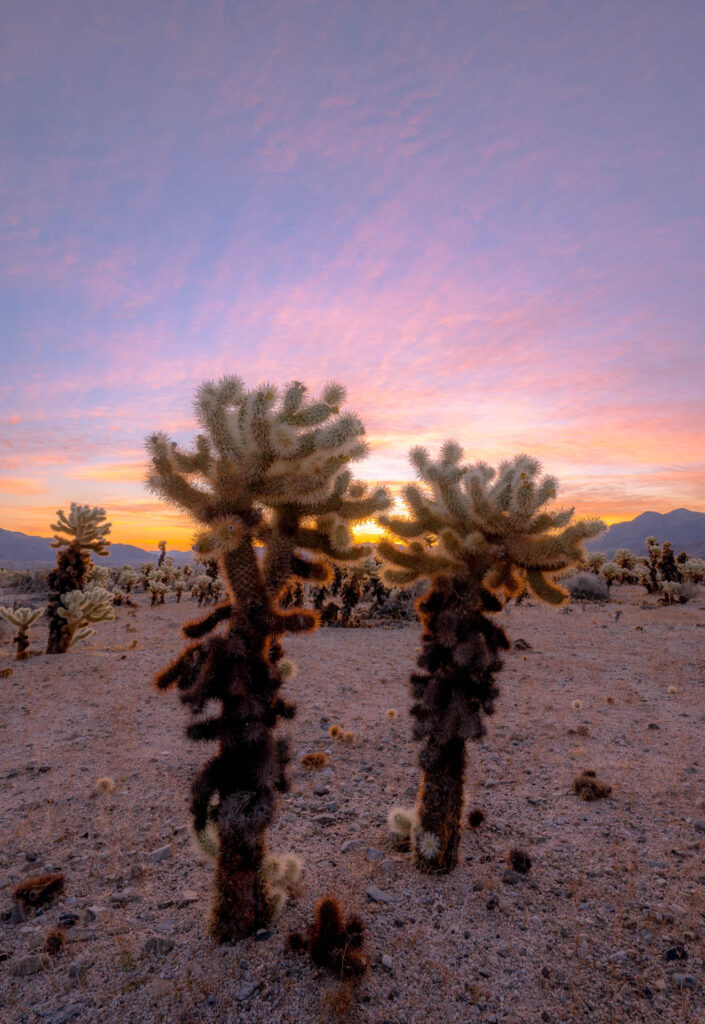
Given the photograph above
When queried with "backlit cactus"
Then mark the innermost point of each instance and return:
(21, 619)
(82, 532)
(269, 468)
(81, 609)
(480, 536)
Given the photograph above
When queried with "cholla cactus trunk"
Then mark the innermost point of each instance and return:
(481, 537)
(459, 656)
(72, 567)
(269, 469)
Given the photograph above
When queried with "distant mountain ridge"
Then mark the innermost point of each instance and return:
(23, 551)
(682, 527)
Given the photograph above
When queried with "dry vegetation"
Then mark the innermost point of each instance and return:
(606, 926)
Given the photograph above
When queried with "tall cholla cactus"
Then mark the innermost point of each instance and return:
(485, 537)
(269, 468)
(83, 531)
(21, 619)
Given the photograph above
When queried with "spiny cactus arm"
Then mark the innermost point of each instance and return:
(21, 618)
(192, 461)
(487, 516)
(310, 414)
(555, 551)
(545, 521)
(416, 558)
(209, 622)
(211, 405)
(546, 591)
(84, 526)
(337, 549)
(169, 483)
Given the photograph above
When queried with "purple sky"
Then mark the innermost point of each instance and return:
(486, 218)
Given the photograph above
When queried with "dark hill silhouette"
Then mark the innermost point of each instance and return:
(23, 551)
(683, 528)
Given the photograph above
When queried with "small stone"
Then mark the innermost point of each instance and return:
(79, 934)
(379, 896)
(676, 953)
(68, 919)
(387, 962)
(351, 844)
(324, 819)
(246, 990)
(262, 935)
(372, 854)
(511, 877)
(157, 856)
(620, 957)
(689, 981)
(321, 790)
(699, 824)
(492, 902)
(17, 915)
(158, 944)
(78, 970)
(660, 984)
(187, 896)
(28, 965)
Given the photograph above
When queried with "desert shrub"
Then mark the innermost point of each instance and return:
(268, 469)
(586, 586)
(480, 536)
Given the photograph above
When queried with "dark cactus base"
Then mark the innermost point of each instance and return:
(441, 804)
(72, 568)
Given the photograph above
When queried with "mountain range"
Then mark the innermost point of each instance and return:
(683, 528)
(22, 551)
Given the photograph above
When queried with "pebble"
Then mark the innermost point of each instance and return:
(492, 901)
(324, 819)
(511, 877)
(79, 934)
(28, 965)
(246, 990)
(17, 914)
(351, 844)
(373, 854)
(699, 824)
(158, 944)
(78, 970)
(156, 856)
(620, 957)
(676, 953)
(379, 896)
(387, 962)
(321, 790)
(188, 896)
(684, 981)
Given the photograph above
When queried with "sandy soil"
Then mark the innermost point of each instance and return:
(615, 888)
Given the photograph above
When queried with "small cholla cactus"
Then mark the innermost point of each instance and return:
(595, 560)
(162, 552)
(481, 536)
(693, 569)
(158, 591)
(611, 572)
(82, 532)
(99, 576)
(402, 821)
(671, 591)
(667, 565)
(81, 609)
(332, 941)
(179, 587)
(269, 469)
(281, 874)
(21, 619)
(128, 579)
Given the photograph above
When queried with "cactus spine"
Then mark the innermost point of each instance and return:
(269, 468)
(480, 536)
(76, 535)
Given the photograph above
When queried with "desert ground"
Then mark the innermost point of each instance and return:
(607, 926)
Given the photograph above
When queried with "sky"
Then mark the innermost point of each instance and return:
(486, 218)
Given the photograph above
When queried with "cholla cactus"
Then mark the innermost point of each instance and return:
(611, 573)
(158, 591)
(595, 560)
(83, 531)
(81, 609)
(269, 468)
(162, 552)
(671, 590)
(481, 536)
(693, 569)
(179, 588)
(21, 619)
(129, 579)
